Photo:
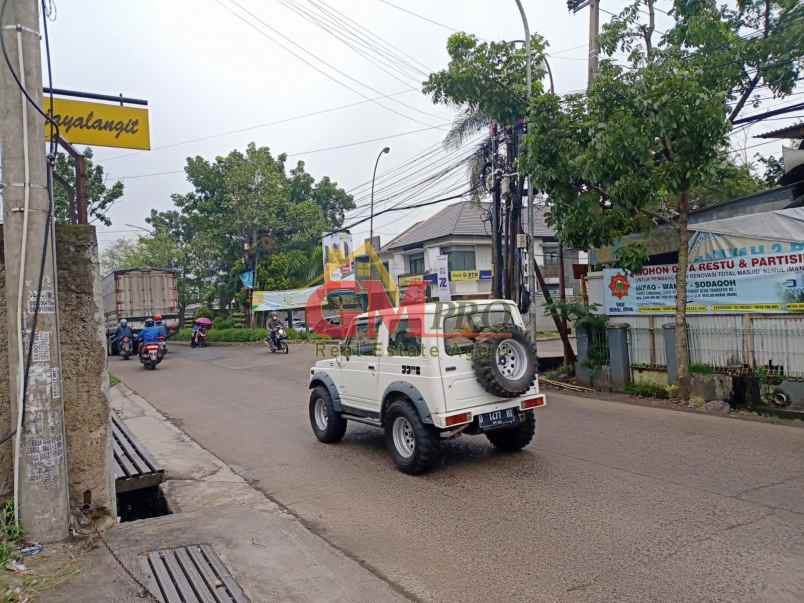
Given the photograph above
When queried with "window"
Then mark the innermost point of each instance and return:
(416, 264)
(461, 330)
(406, 339)
(362, 341)
(460, 258)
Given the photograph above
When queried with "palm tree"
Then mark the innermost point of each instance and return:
(467, 123)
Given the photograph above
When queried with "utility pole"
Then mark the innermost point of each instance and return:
(594, 40)
(40, 468)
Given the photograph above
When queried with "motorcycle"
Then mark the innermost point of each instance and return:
(199, 338)
(125, 348)
(151, 355)
(278, 343)
(163, 345)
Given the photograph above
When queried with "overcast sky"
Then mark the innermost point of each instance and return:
(206, 72)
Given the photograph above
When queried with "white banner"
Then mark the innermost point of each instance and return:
(442, 269)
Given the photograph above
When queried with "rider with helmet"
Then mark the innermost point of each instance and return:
(123, 330)
(273, 325)
(151, 333)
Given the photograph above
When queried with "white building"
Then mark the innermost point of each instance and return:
(462, 231)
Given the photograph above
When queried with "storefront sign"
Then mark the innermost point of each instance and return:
(762, 283)
(99, 124)
(464, 275)
(405, 281)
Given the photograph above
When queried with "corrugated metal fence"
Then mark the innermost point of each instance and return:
(726, 343)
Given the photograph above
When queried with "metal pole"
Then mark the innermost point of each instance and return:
(594, 41)
(373, 177)
(531, 213)
(40, 468)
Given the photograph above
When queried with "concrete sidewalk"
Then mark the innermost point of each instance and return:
(270, 553)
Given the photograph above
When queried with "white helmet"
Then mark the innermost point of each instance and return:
(123, 322)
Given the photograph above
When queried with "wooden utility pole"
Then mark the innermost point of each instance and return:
(594, 41)
(40, 467)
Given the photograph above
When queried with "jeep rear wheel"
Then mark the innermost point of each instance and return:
(505, 365)
(414, 445)
(514, 438)
(328, 426)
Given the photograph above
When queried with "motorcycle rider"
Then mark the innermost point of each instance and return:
(273, 325)
(160, 324)
(151, 333)
(123, 330)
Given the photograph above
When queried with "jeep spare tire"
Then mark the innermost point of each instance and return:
(505, 363)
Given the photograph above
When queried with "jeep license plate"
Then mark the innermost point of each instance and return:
(498, 418)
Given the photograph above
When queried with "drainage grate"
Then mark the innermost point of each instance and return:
(191, 574)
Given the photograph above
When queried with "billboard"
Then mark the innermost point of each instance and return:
(338, 252)
(771, 283)
(99, 124)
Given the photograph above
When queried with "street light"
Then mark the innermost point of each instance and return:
(150, 232)
(374, 175)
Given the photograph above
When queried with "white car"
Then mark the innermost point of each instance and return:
(429, 372)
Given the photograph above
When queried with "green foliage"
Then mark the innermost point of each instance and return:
(237, 335)
(204, 312)
(773, 169)
(101, 197)
(485, 77)
(646, 389)
(113, 380)
(223, 323)
(632, 255)
(10, 533)
(701, 369)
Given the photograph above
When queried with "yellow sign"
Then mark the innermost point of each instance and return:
(747, 307)
(464, 275)
(795, 307)
(99, 125)
(404, 281)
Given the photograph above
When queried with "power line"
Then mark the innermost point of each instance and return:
(261, 125)
(308, 152)
(319, 59)
(422, 17)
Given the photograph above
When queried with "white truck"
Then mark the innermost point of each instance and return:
(429, 373)
(138, 294)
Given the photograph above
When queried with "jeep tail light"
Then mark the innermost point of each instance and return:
(532, 403)
(464, 417)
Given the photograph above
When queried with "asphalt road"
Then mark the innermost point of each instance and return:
(613, 502)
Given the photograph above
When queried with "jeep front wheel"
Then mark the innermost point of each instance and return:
(514, 438)
(414, 445)
(328, 426)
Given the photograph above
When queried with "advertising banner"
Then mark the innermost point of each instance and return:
(464, 275)
(338, 253)
(442, 271)
(763, 283)
(99, 124)
(268, 301)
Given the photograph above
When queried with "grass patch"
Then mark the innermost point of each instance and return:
(701, 369)
(113, 380)
(646, 389)
(10, 533)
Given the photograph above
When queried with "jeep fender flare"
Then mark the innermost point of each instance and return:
(412, 394)
(326, 381)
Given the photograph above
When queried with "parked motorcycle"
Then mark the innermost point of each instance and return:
(278, 343)
(199, 338)
(151, 355)
(125, 348)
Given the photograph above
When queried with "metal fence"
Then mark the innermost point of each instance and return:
(735, 344)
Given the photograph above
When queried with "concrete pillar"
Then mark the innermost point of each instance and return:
(583, 374)
(669, 334)
(85, 378)
(619, 358)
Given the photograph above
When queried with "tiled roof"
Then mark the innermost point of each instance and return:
(462, 219)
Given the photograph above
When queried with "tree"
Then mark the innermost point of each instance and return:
(100, 196)
(653, 132)
(246, 209)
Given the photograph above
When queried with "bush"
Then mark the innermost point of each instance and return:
(10, 533)
(701, 369)
(223, 323)
(646, 389)
(225, 335)
(204, 312)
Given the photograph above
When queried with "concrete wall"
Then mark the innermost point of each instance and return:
(85, 380)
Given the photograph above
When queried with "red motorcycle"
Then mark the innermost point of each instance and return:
(125, 348)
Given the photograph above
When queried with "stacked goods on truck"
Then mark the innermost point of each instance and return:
(137, 295)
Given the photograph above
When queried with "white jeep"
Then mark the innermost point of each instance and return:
(427, 373)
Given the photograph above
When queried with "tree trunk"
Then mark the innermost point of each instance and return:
(682, 346)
